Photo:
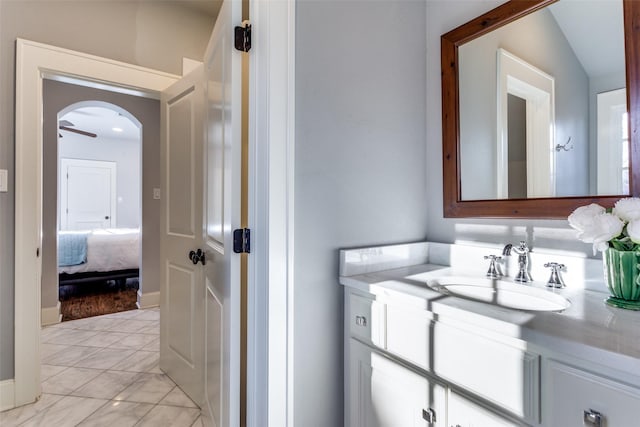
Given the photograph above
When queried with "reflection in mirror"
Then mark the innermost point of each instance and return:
(613, 142)
(563, 68)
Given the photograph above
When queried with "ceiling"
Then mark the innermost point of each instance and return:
(103, 122)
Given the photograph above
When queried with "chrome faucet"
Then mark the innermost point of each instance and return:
(522, 250)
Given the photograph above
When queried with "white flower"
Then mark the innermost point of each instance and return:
(633, 230)
(627, 209)
(602, 228)
(583, 217)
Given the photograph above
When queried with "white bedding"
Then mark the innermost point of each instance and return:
(109, 250)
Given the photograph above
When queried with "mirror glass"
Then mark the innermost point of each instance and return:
(543, 105)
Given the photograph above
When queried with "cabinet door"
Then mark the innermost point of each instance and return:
(503, 374)
(383, 393)
(576, 398)
(366, 319)
(465, 413)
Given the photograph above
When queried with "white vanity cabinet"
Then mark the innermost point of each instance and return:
(391, 360)
(411, 351)
(577, 397)
(408, 366)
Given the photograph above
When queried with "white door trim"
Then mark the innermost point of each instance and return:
(33, 61)
(537, 88)
(271, 197)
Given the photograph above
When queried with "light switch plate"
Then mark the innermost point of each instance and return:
(4, 180)
(156, 194)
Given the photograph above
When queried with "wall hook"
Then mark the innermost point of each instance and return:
(565, 146)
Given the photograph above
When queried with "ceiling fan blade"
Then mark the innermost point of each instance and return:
(78, 131)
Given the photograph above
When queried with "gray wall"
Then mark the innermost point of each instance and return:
(126, 155)
(151, 34)
(359, 169)
(59, 95)
(442, 16)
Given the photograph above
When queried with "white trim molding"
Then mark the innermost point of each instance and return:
(7, 395)
(271, 197)
(34, 62)
(51, 315)
(517, 77)
(148, 299)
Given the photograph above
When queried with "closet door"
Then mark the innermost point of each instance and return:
(87, 194)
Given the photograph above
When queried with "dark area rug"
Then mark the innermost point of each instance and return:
(94, 299)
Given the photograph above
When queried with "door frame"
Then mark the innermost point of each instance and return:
(63, 188)
(271, 196)
(34, 62)
(270, 307)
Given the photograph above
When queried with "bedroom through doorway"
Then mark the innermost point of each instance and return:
(101, 173)
(99, 215)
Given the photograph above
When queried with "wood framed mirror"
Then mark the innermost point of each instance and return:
(457, 206)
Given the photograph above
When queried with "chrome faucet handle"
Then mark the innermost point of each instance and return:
(493, 272)
(555, 281)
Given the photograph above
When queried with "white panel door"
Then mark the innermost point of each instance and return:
(182, 288)
(87, 194)
(222, 212)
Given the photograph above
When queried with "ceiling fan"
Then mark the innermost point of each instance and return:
(68, 126)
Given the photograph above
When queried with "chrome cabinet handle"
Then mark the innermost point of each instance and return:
(592, 418)
(361, 321)
(429, 415)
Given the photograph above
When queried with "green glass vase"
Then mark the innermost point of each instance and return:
(621, 274)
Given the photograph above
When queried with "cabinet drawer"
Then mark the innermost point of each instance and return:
(409, 334)
(367, 320)
(575, 397)
(505, 375)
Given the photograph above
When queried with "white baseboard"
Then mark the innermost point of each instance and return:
(51, 315)
(7, 395)
(148, 299)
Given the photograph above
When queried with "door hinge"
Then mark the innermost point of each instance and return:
(242, 241)
(243, 37)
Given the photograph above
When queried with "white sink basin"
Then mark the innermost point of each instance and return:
(498, 292)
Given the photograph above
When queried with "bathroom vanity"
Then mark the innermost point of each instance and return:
(418, 357)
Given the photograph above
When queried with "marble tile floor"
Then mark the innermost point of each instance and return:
(103, 371)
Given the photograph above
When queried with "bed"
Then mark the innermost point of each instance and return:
(92, 255)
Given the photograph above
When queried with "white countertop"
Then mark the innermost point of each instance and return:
(589, 329)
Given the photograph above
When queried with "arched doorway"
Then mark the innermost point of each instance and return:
(71, 115)
(98, 211)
